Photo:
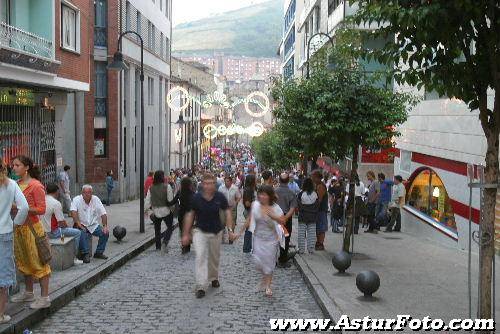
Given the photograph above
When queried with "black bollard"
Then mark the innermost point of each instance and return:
(341, 261)
(119, 232)
(368, 282)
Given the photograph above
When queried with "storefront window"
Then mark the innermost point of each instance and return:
(428, 195)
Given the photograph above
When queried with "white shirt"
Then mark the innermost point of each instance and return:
(64, 179)
(11, 193)
(232, 194)
(89, 214)
(398, 191)
(52, 207)
(308, 198)
(161, 211)
(256, 214)
(359, 190)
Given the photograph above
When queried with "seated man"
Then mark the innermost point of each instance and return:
(53, 219)
(87, 212)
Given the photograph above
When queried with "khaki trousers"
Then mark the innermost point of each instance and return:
(207, 250)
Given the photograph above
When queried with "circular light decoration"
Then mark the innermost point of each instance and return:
(210, 131)
(170, 99)
(265, 108)
(256, 129)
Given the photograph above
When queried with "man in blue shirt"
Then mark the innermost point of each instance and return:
(383, 200)
(207, 235)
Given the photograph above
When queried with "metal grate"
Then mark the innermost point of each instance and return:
(29, 131)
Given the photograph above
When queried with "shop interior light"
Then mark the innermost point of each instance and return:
(435, 192)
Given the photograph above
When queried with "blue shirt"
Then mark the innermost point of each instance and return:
(293, 186)
(207, 212)
(385, 191)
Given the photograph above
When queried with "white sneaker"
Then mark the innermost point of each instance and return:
(77, 262)
(25, 297)
(4, 319)
(42, 302)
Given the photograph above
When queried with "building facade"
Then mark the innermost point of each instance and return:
(112, 122)
(441, 149)
(238, 68)
(191, 83)
(44, 75)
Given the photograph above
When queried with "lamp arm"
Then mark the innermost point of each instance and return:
(142, 48)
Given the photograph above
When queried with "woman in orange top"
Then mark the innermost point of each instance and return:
(25, 250)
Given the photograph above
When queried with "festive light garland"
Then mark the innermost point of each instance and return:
(211, 131)
(220, 99)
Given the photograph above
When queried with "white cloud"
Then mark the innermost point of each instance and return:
(190, 10)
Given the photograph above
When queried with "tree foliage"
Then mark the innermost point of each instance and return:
(272, 151)
(335, 110)
(452, 47)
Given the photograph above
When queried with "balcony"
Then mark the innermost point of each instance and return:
(18, 39)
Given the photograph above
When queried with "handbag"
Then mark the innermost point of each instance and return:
(42, 246)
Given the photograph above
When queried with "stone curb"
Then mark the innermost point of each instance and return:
(62, 296)
(326, 302)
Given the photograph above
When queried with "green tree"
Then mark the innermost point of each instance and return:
(336, 112)
(452, 47)
(272, 152)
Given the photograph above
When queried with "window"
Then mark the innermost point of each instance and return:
(127, 16)
(428, 195)
(100, 31)
(151, 93)
(5, 11)
(405, 161)
(161, 5)
(153, 38)
(69, 27)
(150, 40)
(139, 28)
(101, 88)
(333, 4)
(162, 49)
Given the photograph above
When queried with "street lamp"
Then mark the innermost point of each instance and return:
(309, 48)
(180, 122)
(119, 65)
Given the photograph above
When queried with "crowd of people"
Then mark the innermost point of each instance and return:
(206, 207)
(30, 215)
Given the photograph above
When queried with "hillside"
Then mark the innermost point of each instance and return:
(253, 31)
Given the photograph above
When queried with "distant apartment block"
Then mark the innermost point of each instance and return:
(239, 68)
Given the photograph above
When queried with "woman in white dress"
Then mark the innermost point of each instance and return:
(265, 223)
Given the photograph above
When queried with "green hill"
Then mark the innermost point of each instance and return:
(253, 31)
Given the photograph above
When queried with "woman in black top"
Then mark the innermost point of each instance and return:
(249, 195)
(183, 199)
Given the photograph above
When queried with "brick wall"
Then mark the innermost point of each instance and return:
(96, 168)
(75, 66)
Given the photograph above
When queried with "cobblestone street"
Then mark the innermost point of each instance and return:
(154, 294)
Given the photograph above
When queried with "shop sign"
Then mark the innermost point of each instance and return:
(17, 97)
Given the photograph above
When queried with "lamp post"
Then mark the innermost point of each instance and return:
(309, 47)
(180, 122)
(119, 65)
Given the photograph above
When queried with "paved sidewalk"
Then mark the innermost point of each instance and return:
(418, 277)
(66, 285)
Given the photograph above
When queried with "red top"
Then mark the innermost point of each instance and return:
(35, 196)
(147, 184)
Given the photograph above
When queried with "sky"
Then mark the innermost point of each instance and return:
(191, 10)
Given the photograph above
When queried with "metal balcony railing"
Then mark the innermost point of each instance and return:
(19, 39)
